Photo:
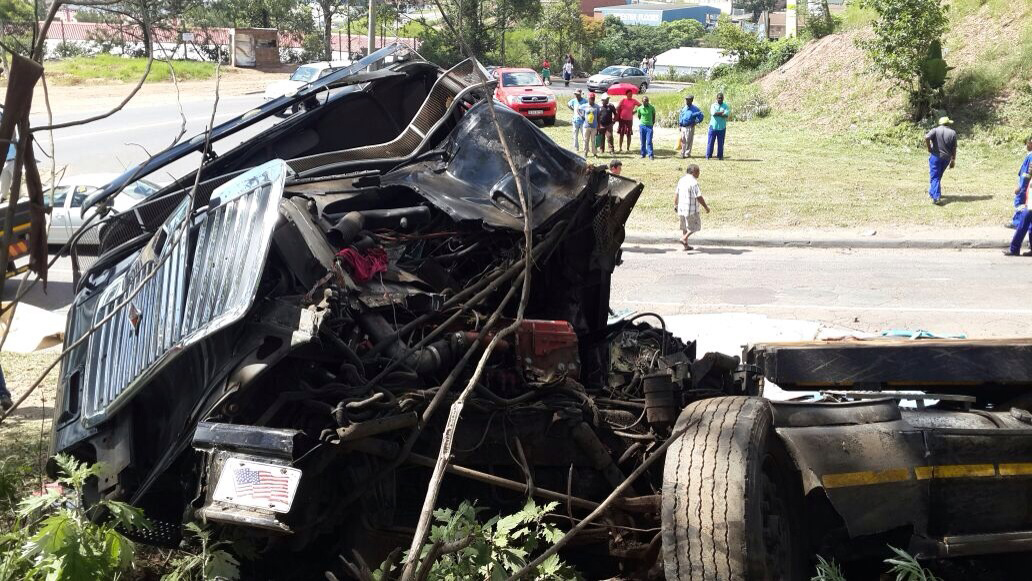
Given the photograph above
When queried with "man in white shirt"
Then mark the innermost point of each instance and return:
(687, 199)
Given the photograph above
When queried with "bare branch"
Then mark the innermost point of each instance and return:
(139, 85)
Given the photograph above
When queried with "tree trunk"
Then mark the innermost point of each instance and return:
(327, 31)
(347, 23)
(503, 19)
(827, 16)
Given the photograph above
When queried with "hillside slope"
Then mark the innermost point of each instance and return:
(831, 85)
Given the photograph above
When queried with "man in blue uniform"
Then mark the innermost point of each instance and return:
(1023, 178)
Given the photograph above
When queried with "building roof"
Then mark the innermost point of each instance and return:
(83, 31)
(692, 57)
(659, 6)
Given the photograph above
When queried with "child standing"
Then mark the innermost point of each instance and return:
(687, 200)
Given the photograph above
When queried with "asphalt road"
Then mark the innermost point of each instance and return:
(980, 293)
(123, 140)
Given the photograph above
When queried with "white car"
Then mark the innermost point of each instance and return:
(302, 76)
(66, 216)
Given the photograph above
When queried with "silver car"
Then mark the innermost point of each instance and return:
(601, 82)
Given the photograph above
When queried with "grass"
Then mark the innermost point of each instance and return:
(778, 174)
(107, 68)
(25, 435)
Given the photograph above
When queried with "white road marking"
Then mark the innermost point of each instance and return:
(126, 129)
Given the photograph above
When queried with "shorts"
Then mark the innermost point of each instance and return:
(624, 127)
(690, 223)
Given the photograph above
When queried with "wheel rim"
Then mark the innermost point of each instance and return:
(777, 532)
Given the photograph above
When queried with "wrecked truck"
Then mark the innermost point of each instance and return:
(268, 344)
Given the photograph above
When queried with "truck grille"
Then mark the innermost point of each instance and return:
(173, 310)
(535, 99)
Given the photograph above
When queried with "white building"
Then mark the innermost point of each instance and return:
(690, 60)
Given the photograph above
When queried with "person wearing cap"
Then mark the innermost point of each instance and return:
(687, 119)
(589, 113)
(606, 121)
(646, 119)
(578, 121)
(625, 119)
(942, 153)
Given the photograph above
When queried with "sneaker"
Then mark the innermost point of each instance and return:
(6, 403)
(1027, 253)
(1009, 253)
(1010, 225)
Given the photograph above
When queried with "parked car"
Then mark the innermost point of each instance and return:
(600, 83)
(302, 76)
(66, 216)
(524, 92)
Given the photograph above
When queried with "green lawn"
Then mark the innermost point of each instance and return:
(78, 70)
(778, 176)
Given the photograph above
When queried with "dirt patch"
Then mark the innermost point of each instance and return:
(830, 82)
(982, 33)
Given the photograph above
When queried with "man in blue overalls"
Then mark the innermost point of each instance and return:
(1024, 224)
(1023, 178)
(942, 153)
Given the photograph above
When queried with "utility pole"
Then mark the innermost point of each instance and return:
(371, 30)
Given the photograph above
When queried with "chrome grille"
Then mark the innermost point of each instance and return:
(535, 99)
(171, 310)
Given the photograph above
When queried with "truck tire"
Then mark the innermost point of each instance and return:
(731, 497)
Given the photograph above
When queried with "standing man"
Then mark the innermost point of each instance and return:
(1024, 227)
(589, 113)
(625, 118)
(687, 199)
(1023, 179)
(652, 67)
(606, 122)
(567, 72)
(646, 119)
(645, 64)
(687, 119)
(578, 121)
(942, 153)
(719, 112)
(546, 72)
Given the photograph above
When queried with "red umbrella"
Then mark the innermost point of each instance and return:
(621, 89)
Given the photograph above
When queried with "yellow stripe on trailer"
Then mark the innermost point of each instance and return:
(869, 477)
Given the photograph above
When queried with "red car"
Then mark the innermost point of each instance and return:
(523, 91)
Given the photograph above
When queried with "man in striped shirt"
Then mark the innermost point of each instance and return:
(687, 200)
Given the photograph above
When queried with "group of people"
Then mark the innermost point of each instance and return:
(648, 65)
(595, 121)
(567, 70)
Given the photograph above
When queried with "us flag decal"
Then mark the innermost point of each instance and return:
(257, 485)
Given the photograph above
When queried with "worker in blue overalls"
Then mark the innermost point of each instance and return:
(1024, 227)
(1023, 178)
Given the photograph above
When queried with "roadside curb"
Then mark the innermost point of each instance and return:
(872, 242)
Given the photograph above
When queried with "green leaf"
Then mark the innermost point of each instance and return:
(222, 565)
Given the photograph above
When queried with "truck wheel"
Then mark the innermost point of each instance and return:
(549, 121)
(731, 498)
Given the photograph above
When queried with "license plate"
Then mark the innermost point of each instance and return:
(536, 112)
(257, 485)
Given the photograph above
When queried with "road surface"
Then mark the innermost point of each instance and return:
(980, 293)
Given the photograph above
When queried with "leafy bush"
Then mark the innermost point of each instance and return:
(64, 50)
(211, 561)
(905, 567)
(57, 538)
(492, 550)
(781, 51)
(720, 71)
